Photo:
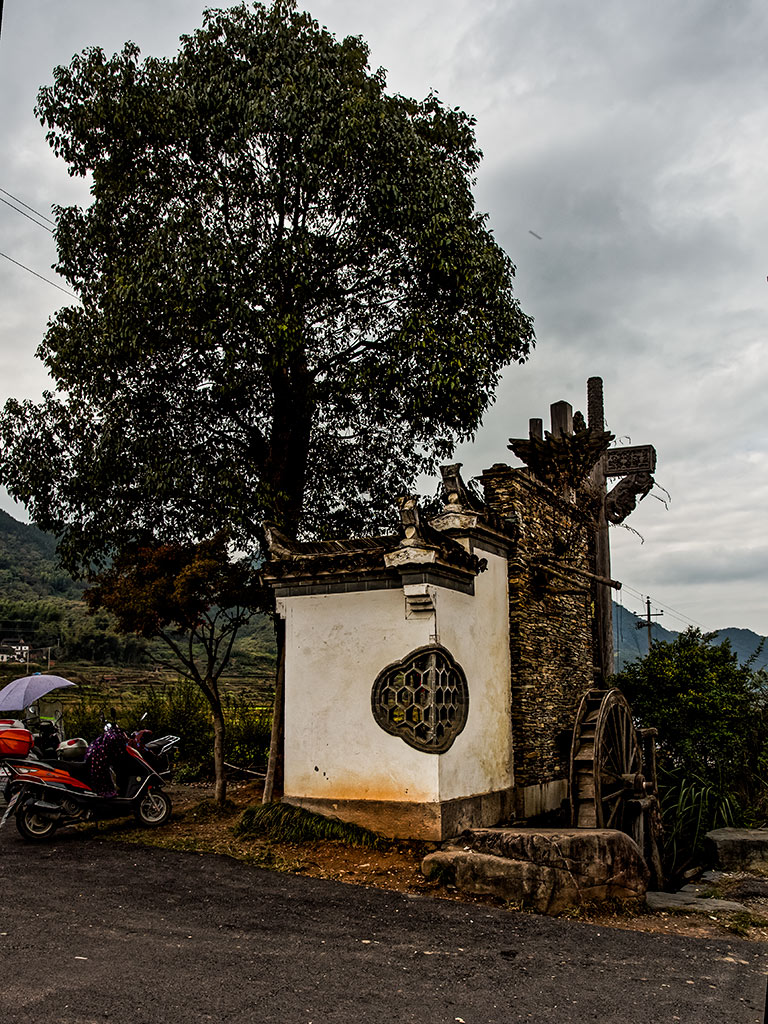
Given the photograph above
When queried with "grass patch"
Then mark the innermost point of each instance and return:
(614, 907)
(288, 824)
(741, 922)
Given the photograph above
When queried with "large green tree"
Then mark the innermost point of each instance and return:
(289, 306)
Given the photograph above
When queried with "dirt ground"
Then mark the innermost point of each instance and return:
(196, 826)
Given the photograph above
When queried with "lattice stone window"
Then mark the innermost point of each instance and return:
(423, 699)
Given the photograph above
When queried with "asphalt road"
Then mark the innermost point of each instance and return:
(92, 931)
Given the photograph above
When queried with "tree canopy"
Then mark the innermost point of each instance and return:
(289, 306)
(704, 704)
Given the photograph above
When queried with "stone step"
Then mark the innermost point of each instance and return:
(550, 870)
(694, 904)
(735, 849)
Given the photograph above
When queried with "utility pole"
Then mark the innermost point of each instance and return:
(648, 624)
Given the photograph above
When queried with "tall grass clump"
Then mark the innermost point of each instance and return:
(289, 824)
(691, 807)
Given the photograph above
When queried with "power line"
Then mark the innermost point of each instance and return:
(26, 206)
(672, 611)
(30, 271)
(16, 210)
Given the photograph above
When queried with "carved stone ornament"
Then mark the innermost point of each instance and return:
(423, 699)
(624, 497)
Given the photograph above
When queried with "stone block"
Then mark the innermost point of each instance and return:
(735, 849)
(551, 870)
(691, 904)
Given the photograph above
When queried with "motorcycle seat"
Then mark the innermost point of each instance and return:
(78, 769)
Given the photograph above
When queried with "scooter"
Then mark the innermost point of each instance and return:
(45, 795)
(159, 753)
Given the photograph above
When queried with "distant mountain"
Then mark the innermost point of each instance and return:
(28, 569)
(630, 637)
(745, 643)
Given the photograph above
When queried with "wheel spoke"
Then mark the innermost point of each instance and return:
(613, 797)
(614, 814)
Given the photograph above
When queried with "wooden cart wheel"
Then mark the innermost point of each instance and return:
(606, 762)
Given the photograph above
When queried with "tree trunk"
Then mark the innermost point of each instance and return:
(276, 739)
(285, 468)
(220, 790)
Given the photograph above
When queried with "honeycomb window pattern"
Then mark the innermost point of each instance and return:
(423, 699)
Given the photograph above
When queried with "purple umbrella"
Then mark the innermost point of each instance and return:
(25, 691)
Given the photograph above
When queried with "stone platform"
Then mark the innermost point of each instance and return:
(737, 849)
(550, 870)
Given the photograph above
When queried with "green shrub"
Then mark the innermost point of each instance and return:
(85, 715)
(249, 730)
(183, 710)
(180, 709)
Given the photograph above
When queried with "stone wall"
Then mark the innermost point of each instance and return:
(551, 617)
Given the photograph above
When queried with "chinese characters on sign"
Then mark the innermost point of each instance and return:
(636, 459)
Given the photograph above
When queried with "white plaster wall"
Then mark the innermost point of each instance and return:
(336, 646)
(476, 632)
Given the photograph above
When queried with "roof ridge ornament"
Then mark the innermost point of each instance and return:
(410, 521)
(457, 495)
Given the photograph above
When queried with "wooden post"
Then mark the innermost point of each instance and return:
(561, 416)
(603, 596)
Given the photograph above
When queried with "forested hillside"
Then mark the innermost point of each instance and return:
(28, 564)
(41, 608)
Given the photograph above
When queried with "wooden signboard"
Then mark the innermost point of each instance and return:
(639, 458)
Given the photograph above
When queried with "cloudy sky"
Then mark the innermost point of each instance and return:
(632, 137)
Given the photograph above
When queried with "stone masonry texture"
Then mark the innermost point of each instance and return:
(551, 619)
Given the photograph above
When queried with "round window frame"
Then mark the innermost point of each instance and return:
(407, 732)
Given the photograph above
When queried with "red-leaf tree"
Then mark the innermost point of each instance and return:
(195, 599)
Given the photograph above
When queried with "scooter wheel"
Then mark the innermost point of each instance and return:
(154, 808)
(33, 826)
